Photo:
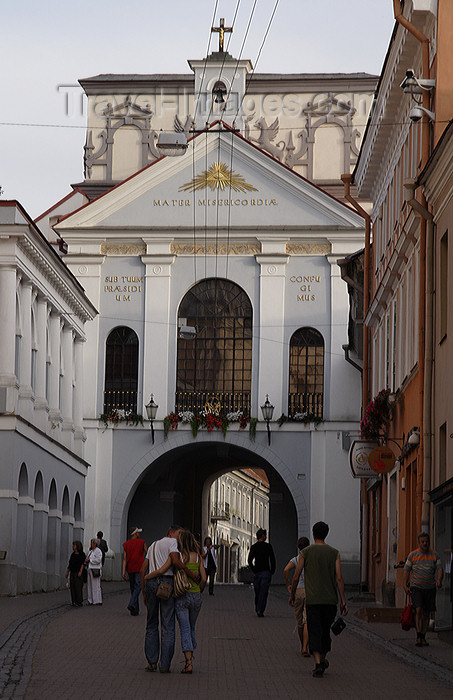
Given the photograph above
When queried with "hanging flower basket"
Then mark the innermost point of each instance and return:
(376, 417)
(299, 418)
(209, 421)
(118, 415)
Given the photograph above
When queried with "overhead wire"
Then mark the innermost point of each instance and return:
(197, 100)
(259, 55)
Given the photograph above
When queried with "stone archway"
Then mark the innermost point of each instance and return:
(166, 486)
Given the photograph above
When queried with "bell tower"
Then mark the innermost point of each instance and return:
(220, 85)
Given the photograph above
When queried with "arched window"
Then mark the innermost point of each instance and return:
(215, 360)
(121, 370)
(306, 373)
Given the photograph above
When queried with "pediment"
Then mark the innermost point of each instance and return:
(222, 181)
(128, 108)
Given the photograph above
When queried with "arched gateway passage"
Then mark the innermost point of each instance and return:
(174, 485)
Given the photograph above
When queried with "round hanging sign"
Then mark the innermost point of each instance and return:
(381, 460)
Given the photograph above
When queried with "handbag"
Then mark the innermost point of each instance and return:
(406, 616)
(181, 583)
(338, 626)
(164, 590)
(96, 573)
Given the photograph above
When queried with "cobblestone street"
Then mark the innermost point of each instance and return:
(51, 650)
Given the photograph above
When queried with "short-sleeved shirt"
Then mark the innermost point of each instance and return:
(423, 567)
(320, 575)
(134, 554)
(161, 549)
(301, 584)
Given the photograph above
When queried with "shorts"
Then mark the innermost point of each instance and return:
(424, 598)
(300, 609)
(319, 621)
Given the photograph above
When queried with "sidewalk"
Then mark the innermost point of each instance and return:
(98, 653)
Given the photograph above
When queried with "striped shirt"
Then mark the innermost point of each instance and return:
(423, 567)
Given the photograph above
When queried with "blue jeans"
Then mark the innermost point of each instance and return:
(134, 583)
(187, 608)
(163, 647)
(261, 583)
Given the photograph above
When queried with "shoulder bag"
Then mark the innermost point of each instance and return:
(164, 589)
(181, 583)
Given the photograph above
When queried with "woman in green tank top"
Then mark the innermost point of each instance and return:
(188, 605)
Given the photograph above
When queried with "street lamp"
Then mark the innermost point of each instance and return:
(267, 410)
(172, 143)
(151, 410)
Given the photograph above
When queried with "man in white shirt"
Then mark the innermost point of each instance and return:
(161, 649)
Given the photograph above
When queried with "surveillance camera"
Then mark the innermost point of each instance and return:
(187, 332)
(410, 81)
(415, 114)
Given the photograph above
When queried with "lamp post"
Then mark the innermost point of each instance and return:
(267, 410)
(151, 410)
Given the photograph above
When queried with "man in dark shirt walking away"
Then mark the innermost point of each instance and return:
(322, 572)
(261, 560)
(103, 546)
(424, 568)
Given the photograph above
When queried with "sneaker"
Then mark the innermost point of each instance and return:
(318, 671)
(151, 667)
(260, 614)
(324, 665)
(424, 642)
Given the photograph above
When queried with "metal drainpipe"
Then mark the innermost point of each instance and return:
(364, 525)
(410, 186)
(399, 17)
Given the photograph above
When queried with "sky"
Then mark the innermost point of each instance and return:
(47, 46)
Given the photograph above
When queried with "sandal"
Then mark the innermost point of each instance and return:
(188, 667)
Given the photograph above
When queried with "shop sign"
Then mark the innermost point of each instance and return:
(358, 459)
(381, 460)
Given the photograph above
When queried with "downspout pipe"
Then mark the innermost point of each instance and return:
(410, 186)
(399, 17)
(347, 178)
(364, 525)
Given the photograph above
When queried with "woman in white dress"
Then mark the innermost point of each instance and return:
(94, 562)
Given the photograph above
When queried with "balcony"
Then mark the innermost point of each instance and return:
(220, 512)
(120, 400)
(310, 403)
(196, 401)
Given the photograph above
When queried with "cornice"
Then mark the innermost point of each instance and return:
(82, 308)
(390, 102)
(405, 244)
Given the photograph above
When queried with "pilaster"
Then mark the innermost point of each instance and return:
(66, 384)
(25, 388)
(158, 327)
(40, 417)
(271, 338)
(8, 379)
(54, 375)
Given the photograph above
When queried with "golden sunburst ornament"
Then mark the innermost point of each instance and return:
(218, 177)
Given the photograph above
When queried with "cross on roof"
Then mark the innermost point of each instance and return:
(221, 31)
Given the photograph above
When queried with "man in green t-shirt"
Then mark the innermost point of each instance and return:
(323, 581)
